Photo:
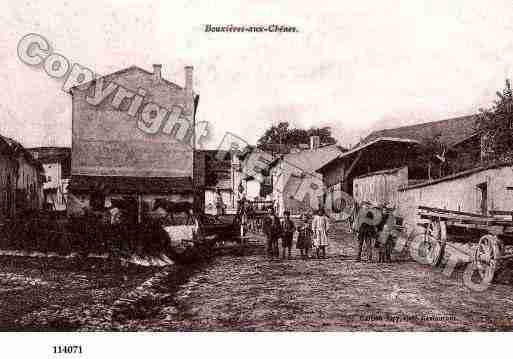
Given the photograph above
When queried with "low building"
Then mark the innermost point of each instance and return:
(26, 174)
(480, 190)
(218, 176)
(380, 154)
(428, 150)
(56, 162)
(8, 170)
(292, 172)
(244, 180)
(455, 139)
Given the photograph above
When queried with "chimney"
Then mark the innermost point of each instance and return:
(157, 73)
(314, 142)
(189, 101)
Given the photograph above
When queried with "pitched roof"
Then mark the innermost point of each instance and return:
(5, 148)
(451, 131)
(123, 71)
(409, 143)
(373, 141)
(17, 148)
(311, 160)
(13, 144)
(50, 154)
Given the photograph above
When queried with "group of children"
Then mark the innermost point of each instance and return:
(311, 232)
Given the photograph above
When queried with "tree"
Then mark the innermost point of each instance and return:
(283, 134)
(495, 125)
(433, 153)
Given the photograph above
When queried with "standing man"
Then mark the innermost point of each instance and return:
(219, 203)
(288, 229)
(242, 210)
(272, 230)
(115, 215)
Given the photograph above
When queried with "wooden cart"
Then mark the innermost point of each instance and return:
(491, 233)
(256, 210)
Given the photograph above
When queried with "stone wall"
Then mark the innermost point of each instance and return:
(460, 193)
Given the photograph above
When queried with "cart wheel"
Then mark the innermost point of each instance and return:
(434, 242)
(486, 257)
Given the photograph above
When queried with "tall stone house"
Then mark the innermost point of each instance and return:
(112, 157)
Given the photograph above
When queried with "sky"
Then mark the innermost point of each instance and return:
(356, 66)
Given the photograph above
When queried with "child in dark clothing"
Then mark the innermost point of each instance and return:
(304, 239)
(288, 229)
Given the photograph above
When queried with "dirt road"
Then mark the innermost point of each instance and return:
(50, 294)
(254, 293)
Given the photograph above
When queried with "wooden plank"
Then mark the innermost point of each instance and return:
(466, 225)
(448, 216)
(500, 213)
(353, 164)
(490, 226)
(440, 210)
(472, 223)
(464, 217)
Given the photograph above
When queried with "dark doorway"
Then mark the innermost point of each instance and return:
(483, 197)
(97, 201)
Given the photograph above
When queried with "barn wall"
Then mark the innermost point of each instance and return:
(460, 194)
(29, 185)
(380, 188)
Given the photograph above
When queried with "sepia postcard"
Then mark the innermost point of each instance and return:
(294, 166)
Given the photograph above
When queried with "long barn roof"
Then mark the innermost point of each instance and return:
(451, 131)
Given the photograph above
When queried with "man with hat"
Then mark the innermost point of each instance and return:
(288, 229)
(272, 230)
